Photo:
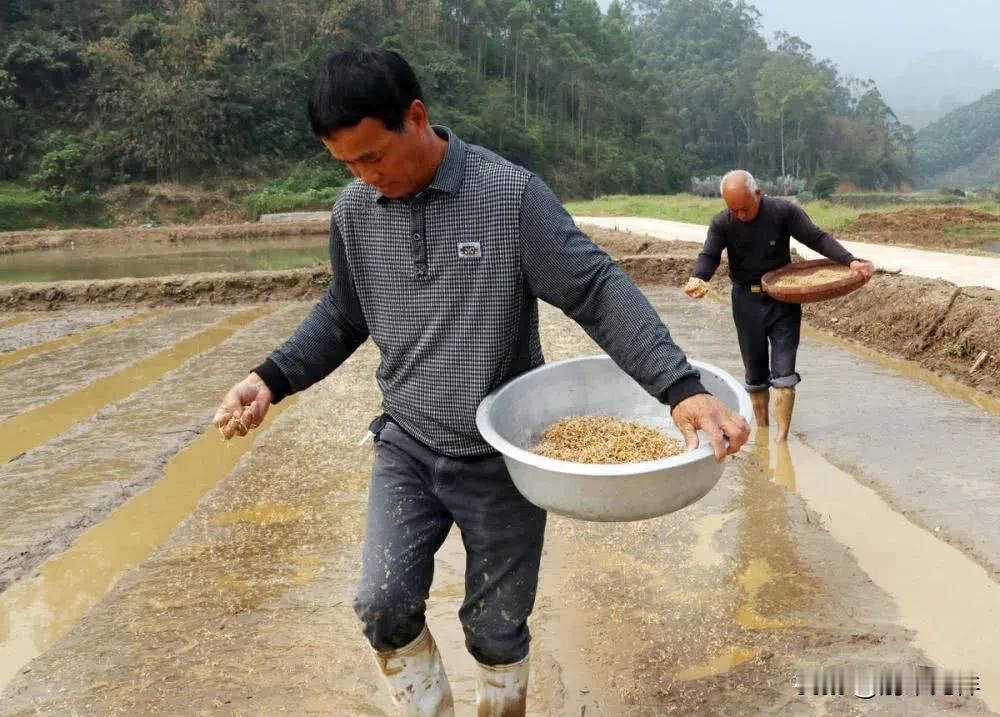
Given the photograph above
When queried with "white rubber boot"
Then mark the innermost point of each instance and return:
(416, 678)
(502, 690)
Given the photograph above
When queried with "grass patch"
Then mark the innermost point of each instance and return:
(676, 207)
(22, 207)
(695, 210)
(873, 201)
(273, 200)
(974, 234)
(310, 186)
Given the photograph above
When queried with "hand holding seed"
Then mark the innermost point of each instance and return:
(243, 408)
(696, 288)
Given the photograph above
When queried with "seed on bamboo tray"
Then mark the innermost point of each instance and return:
(821, 276)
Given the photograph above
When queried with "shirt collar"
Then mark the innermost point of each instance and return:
(448, 177)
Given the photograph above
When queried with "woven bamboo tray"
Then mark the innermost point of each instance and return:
(808, 294)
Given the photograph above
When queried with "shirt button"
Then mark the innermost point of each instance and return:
(416, 236)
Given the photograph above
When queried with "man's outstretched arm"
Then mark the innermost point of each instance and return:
(565, 268)
(331, 332)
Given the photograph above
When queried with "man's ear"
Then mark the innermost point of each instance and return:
(416, 114)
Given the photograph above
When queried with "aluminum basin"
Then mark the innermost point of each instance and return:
(513, 418)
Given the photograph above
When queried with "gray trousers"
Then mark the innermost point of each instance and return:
(416, 495)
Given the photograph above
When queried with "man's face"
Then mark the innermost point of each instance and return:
(389, 161)
(743, 204)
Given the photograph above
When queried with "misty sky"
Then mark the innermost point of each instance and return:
(878, 37)
(953, 45)
(927, 57)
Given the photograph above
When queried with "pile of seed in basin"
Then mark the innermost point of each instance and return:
(604, 439)
(821, 276)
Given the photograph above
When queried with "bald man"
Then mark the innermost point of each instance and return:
(755, 230)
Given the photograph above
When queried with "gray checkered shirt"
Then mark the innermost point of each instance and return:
(446, 283)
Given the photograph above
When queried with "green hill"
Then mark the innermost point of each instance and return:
(963, 147)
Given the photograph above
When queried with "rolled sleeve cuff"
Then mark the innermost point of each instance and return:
(681, 389)
(275, 380)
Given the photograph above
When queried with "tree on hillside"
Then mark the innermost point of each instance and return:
(964, 136)
(707, 55)
(634, 99)
(792, 105)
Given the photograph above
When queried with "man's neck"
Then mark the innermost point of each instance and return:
(436, 151)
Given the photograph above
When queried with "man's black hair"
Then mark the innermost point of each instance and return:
(355, 84)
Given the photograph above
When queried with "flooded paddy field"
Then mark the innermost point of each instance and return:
(148, 568)
(108, 262)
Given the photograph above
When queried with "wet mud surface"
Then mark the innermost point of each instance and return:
(40, 326)
(246, 607)
(42, 377)
(97, 464)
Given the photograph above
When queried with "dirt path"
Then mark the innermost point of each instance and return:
(958, 269)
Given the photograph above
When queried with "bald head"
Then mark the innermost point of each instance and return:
(741, 194)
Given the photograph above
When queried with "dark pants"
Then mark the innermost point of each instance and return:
(759, 320)
(416, 495)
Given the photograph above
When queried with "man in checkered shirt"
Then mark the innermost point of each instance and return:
(440, 251)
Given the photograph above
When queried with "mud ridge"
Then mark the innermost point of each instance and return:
(893, 314)
(219, 288)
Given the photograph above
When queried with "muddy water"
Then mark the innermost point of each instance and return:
(37, 612)
(27, 430)
(43, 371)
(931, 454)
(914, 496)
(246, 608)
(203, 256)
(940, 593)
(920, 442)
(80, 476)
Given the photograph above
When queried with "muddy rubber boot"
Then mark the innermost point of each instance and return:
(502, 690)
(760, 399)
(416, 678)
(784, 402)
